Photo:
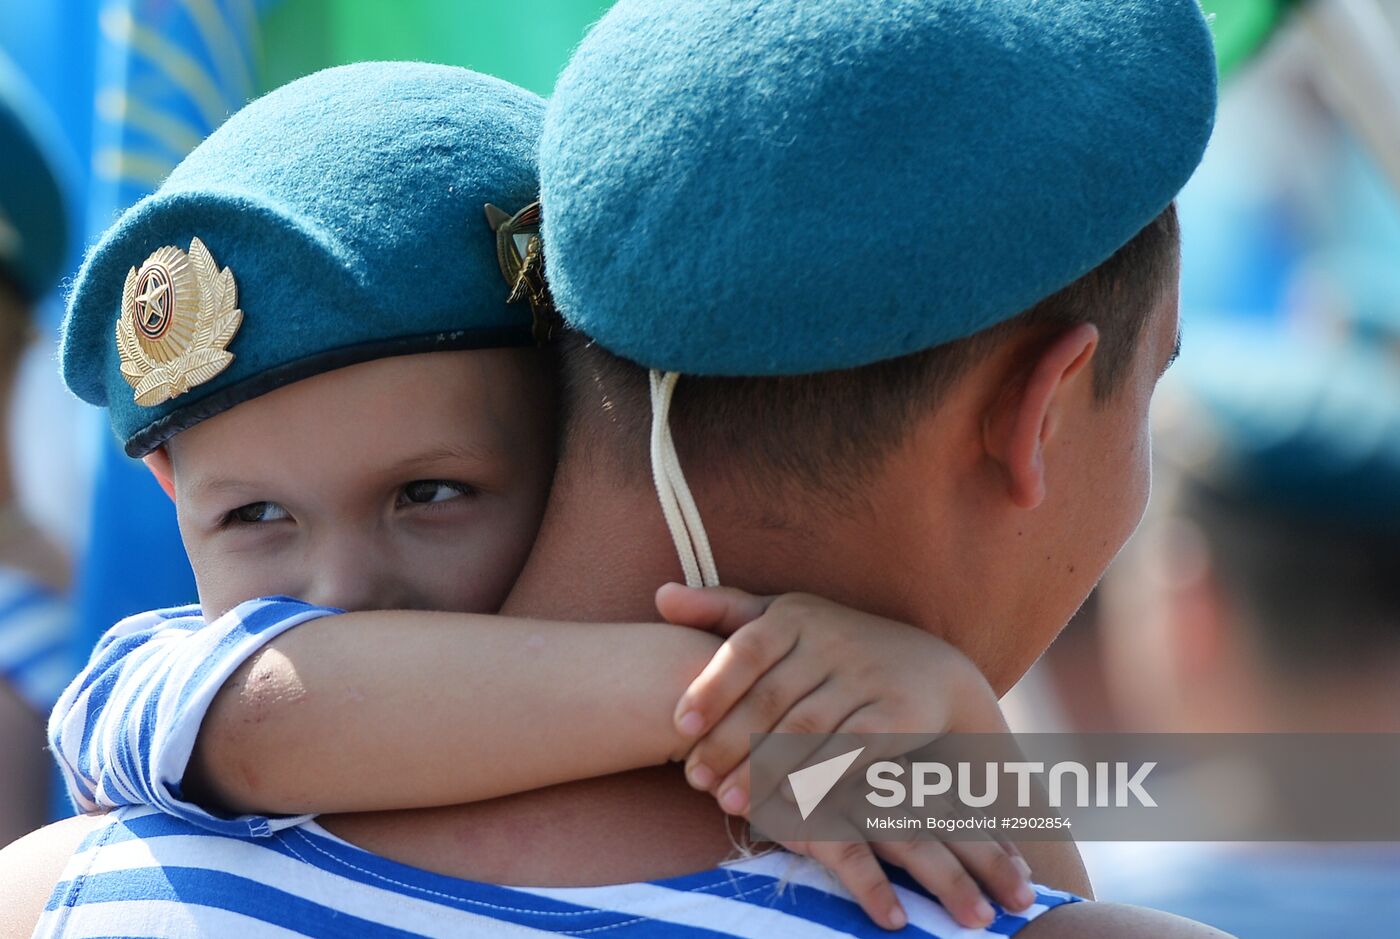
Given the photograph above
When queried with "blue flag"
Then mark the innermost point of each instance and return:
(168, 73)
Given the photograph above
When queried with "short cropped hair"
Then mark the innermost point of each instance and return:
(827, 431)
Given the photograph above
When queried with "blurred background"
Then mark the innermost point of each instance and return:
(1261, 593)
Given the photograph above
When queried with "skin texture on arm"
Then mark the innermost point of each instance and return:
(531, 703)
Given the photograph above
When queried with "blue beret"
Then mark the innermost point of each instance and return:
(335, 220)
(1267, 420)
(741, 188)
(33, 213)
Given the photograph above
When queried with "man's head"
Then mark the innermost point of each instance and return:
(1015, 460)
(916, 266)
(306, 330)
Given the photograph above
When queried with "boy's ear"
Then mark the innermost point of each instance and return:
(1024, 419)
(158, 462)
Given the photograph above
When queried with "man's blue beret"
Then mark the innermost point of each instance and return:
(1267, 420)
(33, 213)
(733, 187)
(348, 207)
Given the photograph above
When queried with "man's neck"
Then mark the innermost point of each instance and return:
(603, 550)
(601, 553)
(599, 557)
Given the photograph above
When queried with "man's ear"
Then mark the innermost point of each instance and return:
(1024, 418)
(158, 462)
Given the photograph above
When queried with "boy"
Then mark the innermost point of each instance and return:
(276, 491)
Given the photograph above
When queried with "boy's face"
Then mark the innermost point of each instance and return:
(414, 482)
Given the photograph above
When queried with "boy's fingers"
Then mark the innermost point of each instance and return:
(740, 663)
(720, 610)
(813, 718)
(735, 794)
(854, 864)
(996, 868)
(749, 709)
(934, 866)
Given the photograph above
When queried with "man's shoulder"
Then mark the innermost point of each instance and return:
(1114, 921)
(31, 867)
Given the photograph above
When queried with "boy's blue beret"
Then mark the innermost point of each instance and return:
(1267, 420)
(346, 208)
(740, 188)
(33, 213)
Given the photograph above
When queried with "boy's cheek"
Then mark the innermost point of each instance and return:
(474, 570)
(225, 580)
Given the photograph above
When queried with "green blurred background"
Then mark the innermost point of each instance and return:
(522, 42)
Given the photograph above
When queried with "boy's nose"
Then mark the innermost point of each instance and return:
(355, 576)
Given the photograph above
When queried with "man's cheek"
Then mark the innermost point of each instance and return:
(1137, 489)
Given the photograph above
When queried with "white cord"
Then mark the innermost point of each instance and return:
(677, 504)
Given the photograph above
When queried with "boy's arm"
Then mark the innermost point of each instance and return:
(455, 708)
(123, 729)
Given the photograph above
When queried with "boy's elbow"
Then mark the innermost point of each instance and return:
(236, 753)
(222, 781)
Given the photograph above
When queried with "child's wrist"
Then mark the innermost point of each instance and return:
(692, 650)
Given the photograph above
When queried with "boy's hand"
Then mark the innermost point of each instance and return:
(956, 872)
(799, 664)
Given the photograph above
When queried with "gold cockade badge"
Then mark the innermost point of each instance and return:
(520, 255)
(179, 313)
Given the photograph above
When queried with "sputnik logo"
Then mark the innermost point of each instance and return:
(810, 785)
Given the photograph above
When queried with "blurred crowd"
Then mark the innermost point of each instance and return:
(1261, 593)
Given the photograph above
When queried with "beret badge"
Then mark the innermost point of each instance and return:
(520, 255)
(179, 313)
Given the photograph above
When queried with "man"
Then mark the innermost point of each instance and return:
(34, 618)
(800, 188)
(706, 174)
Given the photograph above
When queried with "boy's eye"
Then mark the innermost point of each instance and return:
(425, 491)
(255, 512)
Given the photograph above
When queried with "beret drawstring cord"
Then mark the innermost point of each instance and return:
(677, 504)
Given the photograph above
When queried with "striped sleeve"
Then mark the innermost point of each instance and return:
(124, 730)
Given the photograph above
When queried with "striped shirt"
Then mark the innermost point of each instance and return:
(124, 730)
(35, 623)
(143, 873)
